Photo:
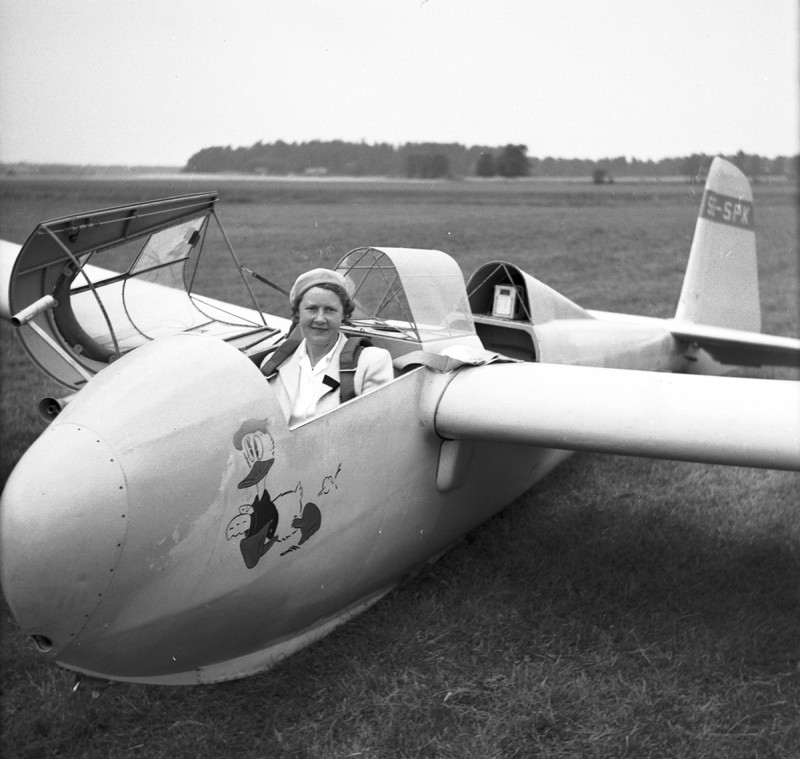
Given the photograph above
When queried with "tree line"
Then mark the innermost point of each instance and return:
(337, 157)
(451, 160)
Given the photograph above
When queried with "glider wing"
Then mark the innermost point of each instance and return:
(720, 420)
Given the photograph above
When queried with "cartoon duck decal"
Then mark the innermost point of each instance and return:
(265, 522)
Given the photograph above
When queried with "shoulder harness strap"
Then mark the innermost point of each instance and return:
(279, 355)
(348, 361)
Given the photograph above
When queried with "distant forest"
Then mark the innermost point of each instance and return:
(443, 160)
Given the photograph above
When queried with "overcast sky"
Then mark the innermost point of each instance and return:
(153, 81)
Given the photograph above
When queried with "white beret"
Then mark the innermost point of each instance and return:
(316, 277)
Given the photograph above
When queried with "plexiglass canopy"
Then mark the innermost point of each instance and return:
(417, 294)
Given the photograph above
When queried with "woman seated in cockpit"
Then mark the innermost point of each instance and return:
(323, 369)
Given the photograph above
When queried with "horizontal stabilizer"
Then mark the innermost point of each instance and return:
(739, 347)
(718, 420)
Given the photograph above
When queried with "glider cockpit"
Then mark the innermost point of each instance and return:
(85, 290)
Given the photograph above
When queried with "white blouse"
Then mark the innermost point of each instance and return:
(309, 383)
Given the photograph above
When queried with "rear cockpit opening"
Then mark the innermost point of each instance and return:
(498, 290)
(500, 304)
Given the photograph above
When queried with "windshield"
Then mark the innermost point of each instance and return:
(418, 294)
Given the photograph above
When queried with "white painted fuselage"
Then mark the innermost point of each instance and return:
(155, 492)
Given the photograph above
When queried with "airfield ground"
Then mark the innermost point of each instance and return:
(624, 607)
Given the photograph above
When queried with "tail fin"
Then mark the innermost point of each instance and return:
(718, 321)
(720, 288)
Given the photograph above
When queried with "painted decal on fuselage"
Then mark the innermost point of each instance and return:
(727, 210)
(284, 521)
(329, 481)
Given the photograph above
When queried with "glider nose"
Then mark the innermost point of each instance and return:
(63, 517)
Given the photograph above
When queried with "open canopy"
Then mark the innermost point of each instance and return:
(98, 285)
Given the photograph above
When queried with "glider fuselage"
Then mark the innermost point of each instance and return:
(216, 539)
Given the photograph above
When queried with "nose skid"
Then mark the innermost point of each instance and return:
(63, 518)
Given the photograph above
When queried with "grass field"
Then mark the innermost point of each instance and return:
(624, 607)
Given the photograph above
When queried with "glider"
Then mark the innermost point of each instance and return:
(169, 527)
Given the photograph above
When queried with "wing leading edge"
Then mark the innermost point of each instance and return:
(733, 421)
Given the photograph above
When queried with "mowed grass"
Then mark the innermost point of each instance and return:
(623, 607)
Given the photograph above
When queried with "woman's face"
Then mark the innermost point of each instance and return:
(320, 312)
